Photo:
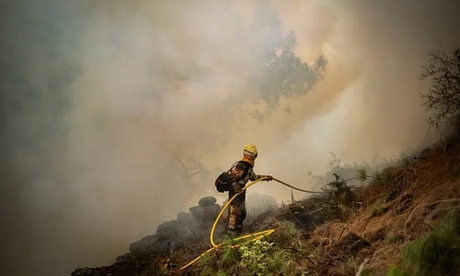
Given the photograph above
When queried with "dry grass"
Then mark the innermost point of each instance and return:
(414, 198)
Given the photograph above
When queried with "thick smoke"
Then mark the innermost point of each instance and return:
(116, 115)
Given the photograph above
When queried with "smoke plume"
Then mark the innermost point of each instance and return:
(116, 115)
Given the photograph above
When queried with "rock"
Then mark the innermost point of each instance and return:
(205, 213)
(184, 219)
(128, 257)
(144, 245)
(85, 271)
(207, 201)
(257, 204)
(151, 244)
(197, 212)
(167, 229)
(186, 233)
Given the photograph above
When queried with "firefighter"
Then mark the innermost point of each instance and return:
(233, 181)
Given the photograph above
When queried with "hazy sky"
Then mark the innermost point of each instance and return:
(109, 108)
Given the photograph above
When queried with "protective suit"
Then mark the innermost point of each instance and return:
(233, 181)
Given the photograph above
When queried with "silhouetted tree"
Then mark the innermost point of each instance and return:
(443, 98)
(287, 75)
(283, 73)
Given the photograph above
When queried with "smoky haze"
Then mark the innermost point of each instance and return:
(116, 115)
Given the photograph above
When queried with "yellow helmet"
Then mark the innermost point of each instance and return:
(250, 149)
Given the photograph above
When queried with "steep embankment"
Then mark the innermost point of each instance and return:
(347, 231)
(400, 205)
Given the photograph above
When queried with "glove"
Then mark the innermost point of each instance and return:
(267, 177)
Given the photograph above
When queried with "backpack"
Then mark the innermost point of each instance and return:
(226, 180)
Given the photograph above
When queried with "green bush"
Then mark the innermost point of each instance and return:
(256, 257)
(437, 253)
(287, 234)
(341, 198)
(394, 271)
(362, 175)
(262, 258)
(206, 265)
(229, 255)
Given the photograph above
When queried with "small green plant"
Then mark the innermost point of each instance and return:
(206, 265)
(255, 257)
(287, 234)
(158, 268)
(280, 260)
(229, 255)
(367, 272)
(351, 266)
(341, 198)
(394, 238)
(362, 175)
(377, 210)
(264, 258)
(381, 178)
(437, 253)
(394, 271)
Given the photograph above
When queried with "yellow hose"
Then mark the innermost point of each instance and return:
(255, 236)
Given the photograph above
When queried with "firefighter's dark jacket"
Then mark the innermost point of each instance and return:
(226, 182)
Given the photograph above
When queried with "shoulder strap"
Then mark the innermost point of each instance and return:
(246, 167)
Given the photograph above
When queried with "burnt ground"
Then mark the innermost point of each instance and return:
(395, 207)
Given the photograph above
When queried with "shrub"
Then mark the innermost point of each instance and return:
(255, 257)
(341, 198)
(262, 258)
(437, 253)
(394, 271)
(362, 175)
(206, 265)
(287, 234)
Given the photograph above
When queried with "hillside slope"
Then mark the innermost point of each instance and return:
(348, 231)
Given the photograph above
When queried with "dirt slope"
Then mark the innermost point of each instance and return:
(397, 206)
